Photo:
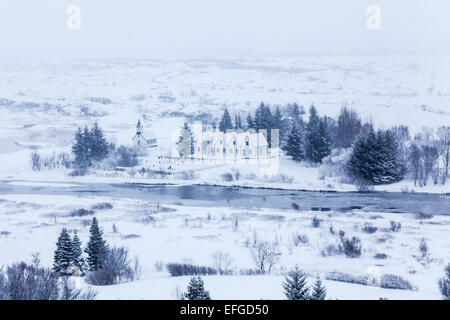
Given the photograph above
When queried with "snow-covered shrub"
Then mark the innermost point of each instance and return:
(117, 268)
(335, 164)
(21, 281)
(227, 177)
(102, 206)
(392, 281)
(185, 269)
(187, 175)
(36, 162)
(79, 172)
(159, 265)
(345, 277)
(315, 222)
(423, 248)
(236, 174)
(380, 256)
(395, 226)
(298, 239)
(423, 216)
(265, 255)
(222, 262)
(369, 228)
(81, 213)
(351, 248)
(444, 284)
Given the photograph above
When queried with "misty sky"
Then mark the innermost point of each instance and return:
(220, 28)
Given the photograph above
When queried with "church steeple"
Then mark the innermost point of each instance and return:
(139, 127)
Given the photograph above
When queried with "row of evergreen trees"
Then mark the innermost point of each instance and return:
(89, 146)
(69, 255)
(311, 141)
(294, 287)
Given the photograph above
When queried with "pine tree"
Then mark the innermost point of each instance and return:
(375, 159)
(295, 285)
(237, 122)
(321, 142)
(78, 148)
(98, 145)
(96, 248)
(312, 129)
(186, 141)
(225, 122)
(294, 145)
(196, 290)
(319, 292)
(77, 253)
(63, 256)
(250, 123)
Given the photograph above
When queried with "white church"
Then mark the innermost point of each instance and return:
(139, 139)
(233, 145)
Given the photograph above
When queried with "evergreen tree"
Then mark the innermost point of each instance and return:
(225, 122)
(77, 253)
(295, 285)
(78, 148)
(63, 256)
(186, 141)
(319, 292)
(96, 248)
(264, 120)
(321, 142)
(348, 128)
(99, 146)
(294, 145)
(375, 159)
(312, 129)
(238, 122)
(250, 123)
(277, 117)
(196, 290)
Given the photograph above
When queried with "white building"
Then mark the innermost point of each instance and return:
(140, 140)
(233, 145)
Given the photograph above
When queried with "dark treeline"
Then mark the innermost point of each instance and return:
(376, 157)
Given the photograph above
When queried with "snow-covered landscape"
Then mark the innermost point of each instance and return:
(224, 151)
(44, 103)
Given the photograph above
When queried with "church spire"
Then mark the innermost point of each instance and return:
(139, 127)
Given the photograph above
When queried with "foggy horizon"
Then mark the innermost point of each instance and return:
(206, 29)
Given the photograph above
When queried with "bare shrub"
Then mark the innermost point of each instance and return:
(184, 269)
(423, 216)
(159, 265)
(236, 174)
(351, 248)
(187, 175)
(81, 213)
(265, 255)
(444, 284)
(368, 228)
(36, 162)
(380, 256)
(395, 226)
(392, 281)
(102, 206)
(298, 239)
(227, 177)
(117, 268)
(423, 248)
(222, 262)
(31, 282)
(316, 222)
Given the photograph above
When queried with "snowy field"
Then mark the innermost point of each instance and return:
(31, 224)
(42, 104)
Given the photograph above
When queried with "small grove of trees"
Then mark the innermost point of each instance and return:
(54, 161)
(429, 156)
(89, 146)
(102, 266)
(296, 288)
(196, 290)
(376, 159)
(22, 281)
